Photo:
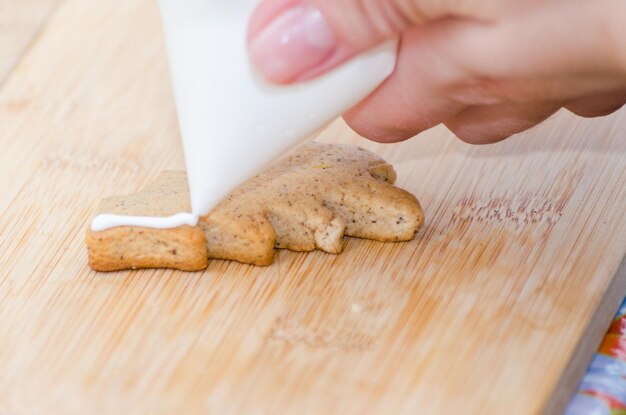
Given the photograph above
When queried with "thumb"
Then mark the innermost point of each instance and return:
(295, 40)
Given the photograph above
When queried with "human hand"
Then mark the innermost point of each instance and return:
(487, 69)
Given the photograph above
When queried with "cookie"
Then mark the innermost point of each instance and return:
(307, 201)
(128, 247)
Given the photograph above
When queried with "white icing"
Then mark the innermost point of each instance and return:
(106, 221)
(232, 122)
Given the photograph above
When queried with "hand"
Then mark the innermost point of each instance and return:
(487, 69)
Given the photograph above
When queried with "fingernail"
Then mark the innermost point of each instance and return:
(296, 41)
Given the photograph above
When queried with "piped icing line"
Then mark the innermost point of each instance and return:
(107, 221)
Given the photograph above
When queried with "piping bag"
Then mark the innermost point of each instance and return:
(232, 122)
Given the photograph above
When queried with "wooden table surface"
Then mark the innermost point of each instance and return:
(495, 308)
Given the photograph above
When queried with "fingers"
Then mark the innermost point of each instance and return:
(288, 39)
(482, 76)
(414, 98)
(598, 105)
(562, 50)
(490, 124)
(488, 81)
(295, 40)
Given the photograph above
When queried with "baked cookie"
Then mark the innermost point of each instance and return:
(307, 201)
(129, 247)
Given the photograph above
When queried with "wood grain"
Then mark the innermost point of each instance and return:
(20, 22)
(481, 314)
(589, 344)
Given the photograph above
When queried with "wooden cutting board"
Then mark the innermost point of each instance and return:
(495, 308)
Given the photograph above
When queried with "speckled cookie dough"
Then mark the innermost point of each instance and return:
(308, 201)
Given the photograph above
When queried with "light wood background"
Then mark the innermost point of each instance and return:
(495, 308)
(20, 23)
